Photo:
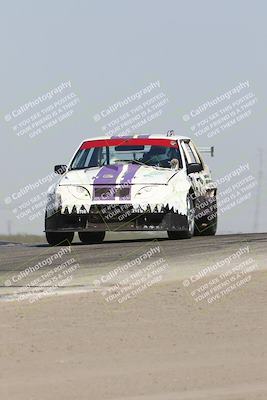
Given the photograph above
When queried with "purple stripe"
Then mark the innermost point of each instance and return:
(104, 181)
(141, 136)
(130, 173)
(102, 177)
(128, 178)
(121, 137)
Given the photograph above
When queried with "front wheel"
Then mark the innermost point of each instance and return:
(189, 232)
(59, 238)
(91, 237)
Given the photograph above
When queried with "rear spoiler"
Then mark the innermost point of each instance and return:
(206, 150)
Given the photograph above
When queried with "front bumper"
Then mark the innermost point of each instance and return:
(116, 218)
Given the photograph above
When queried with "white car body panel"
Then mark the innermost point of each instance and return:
(166, 187)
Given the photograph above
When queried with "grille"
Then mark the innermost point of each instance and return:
(109, 193)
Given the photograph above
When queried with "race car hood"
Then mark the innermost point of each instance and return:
(130, 174)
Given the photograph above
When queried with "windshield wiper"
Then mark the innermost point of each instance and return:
(79, 168)
(144, 164)
(138, 162)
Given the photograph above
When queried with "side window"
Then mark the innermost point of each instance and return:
(189, 154)
(88, 158)
(80, 158)
(103, 156)
(194, 150)
(95, 159)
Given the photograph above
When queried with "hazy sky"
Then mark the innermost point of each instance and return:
(197, 50)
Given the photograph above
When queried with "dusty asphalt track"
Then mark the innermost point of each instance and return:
(159, 345)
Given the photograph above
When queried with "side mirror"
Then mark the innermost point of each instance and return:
(60, 169)
(194, 167)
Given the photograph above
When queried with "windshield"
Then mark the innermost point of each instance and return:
(150, 155)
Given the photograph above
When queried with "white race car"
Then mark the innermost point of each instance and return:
(132, 183)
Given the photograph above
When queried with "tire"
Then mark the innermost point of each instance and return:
(59, 238)
(209, 231)
(211, 227)
(91, 237)
(174, 235)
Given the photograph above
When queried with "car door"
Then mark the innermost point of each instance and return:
(203, 186)
(200, 174)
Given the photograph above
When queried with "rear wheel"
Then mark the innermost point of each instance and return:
(59, 238)
(208, 227)
(91, 237)
(189, 232)
(210, 230)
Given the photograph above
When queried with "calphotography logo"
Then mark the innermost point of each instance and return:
(43, 277)
(136, 111)
(43, 112)
(28, 203)
(133, 223)
(225, 111)
(129, 279)
(215, 282)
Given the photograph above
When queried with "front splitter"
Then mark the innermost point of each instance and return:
(134, 222)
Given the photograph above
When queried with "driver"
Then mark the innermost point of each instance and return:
(155, 155)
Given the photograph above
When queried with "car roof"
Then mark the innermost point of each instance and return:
(140, 136)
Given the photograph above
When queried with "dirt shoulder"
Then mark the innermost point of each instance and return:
(160, 345)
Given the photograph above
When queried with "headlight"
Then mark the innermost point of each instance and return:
(79, 192)
(148, 191)
(145, 190)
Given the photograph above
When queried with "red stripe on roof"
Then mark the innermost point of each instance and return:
(129, 142)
